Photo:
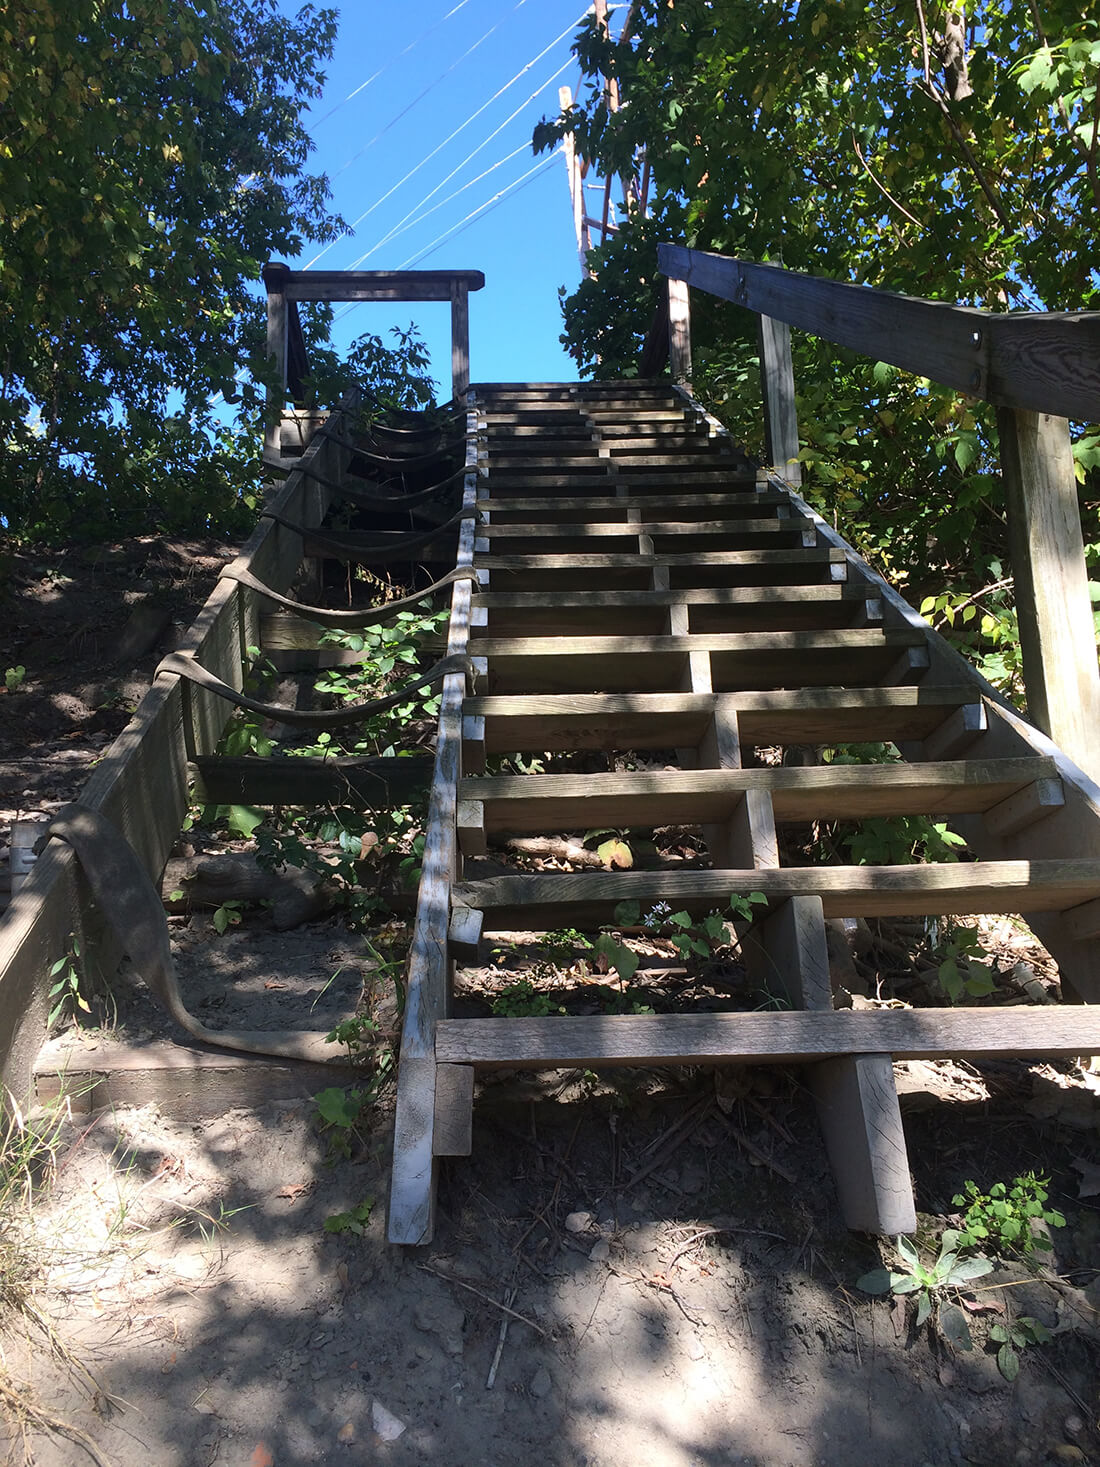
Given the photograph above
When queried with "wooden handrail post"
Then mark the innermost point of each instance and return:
(679, 331)
(275, 278)
(1057, 635)
(460, 339)
(777, 383)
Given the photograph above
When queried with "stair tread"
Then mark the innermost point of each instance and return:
(776, 1038)
(545, 901)
(597, 503)
(816, 555)
(790, 525)
(691, 596)
(515, 722)
(766, 641)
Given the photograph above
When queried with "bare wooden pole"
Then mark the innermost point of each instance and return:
(679, 331)
(576, 183)
(1057, 634)
(777, 383)
(460, 339)
(275, 278)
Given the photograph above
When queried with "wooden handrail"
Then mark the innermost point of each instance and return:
(1046, 362)
(1039, 369)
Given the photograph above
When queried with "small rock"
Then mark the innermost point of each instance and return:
(541, 1383)
(695, 1348)
(1067, 1452)
(386, 1425)
(579, 1222)
(601, 1251)
(346, 1434)
(1074, 1428)
(205, 1407)
(442, 1318)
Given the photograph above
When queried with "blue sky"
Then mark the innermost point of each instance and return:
(383, 134)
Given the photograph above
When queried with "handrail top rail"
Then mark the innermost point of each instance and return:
(367, 285)
(1046, 361)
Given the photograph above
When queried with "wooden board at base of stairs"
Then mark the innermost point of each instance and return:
(766, 1038)
(963, 888)
(189, 1082)
(520, 723)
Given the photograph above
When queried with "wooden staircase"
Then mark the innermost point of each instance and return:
(644, 587)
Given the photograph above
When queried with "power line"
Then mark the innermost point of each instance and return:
(430, 87)
(498, 198)
(473, 116)
(423, 36)
(402, 224)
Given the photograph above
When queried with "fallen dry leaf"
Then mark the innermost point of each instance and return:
(261, 1456)
(293, 1190)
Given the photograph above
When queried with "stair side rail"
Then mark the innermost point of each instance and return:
(1038, 368)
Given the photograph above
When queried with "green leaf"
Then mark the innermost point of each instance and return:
(243, 819)
(875, 1282)
(924, 1308)
(954, 1327)
(1008, 1362)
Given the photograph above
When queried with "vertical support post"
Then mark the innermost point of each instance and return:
(1057, 635)
(576, 184)
(679, 332)
(460, 340)
(777, 383)
(275, 277)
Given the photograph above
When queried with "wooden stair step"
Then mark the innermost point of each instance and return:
(672, 530)
(508, 480)
(681, 720)
(611, 508)
(717, 609)
(766, 1038)
(525, 804)
(818, 556)
(674, 463)
(587, 900)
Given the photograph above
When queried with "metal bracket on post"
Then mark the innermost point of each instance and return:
(679, 332)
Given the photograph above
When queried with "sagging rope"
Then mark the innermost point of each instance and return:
(352, 620)
(183, 664)
(381, 501)
(365, 554)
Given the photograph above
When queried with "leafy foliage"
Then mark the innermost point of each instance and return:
(152, 156)
(929, 1284)
(886, 146)
(1002, 1218)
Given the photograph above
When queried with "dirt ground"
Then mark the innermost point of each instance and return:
(642, 1268)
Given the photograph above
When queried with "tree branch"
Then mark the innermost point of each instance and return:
(881, 186)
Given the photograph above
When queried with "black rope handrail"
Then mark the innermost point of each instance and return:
(354, 548)
(381, 501)
(183, 664)
(367, 616)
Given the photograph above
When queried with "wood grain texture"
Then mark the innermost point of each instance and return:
(830, 791)
(1057, 632)
(860, 1119)
(767, 1038)
(846, 891)
(378, 285)
(777, 386)
(428, 984)
(1046, 362)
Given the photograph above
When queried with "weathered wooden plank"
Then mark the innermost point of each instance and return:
(668, 720)
(1057, 632)
(598, 530)
(777, 384)
(1042, 362)
(428, 987)
(1020, 811)
(189, 1083)
(857, 1108)
(453, 1132)
(846, 891)
(532, 802)
(766, 1038)
(378, 285)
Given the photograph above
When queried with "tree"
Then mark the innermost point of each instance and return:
(899, 147)
(151, 158)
